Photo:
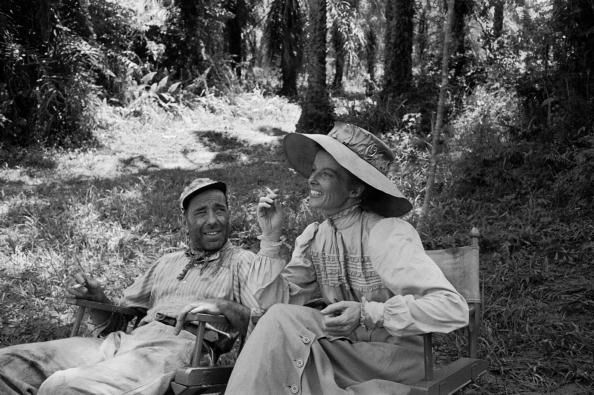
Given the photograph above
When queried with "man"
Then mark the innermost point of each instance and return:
(379, 289)
(209, 277)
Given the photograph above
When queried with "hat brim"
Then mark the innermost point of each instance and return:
(385, 199)
(221, 186)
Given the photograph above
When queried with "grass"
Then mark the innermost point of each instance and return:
(112, 210)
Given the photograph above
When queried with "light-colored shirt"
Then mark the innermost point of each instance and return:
(358, 255)
(224, 275)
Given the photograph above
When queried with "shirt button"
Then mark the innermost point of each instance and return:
(306, 340)
(299, 363)
(294, 389)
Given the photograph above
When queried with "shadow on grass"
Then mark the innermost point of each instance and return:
(217, 141)
(231, 149)
(25, 157)
(272, 131)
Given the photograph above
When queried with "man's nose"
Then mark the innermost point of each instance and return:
(212, 218)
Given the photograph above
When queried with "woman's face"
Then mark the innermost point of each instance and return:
(330, 185)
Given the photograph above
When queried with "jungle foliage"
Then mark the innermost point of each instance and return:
(515, 155)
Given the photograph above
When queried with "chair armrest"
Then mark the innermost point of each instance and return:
(206, 318)
(127, 312)
(103, 306)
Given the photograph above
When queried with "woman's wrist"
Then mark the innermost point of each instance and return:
(362, 316)
(271, 238)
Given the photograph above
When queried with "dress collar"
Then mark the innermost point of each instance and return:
(344, 218)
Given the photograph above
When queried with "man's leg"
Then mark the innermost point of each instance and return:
(144, 362)
(24, 367)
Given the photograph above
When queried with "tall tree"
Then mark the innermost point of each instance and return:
(447, 38)
(346, 35)
(338, 43)
(234, 26)
(461, 9)
(371, 52)
(498, 18)
(398, 49)
(316, 109)
(283, 34)
(423, 33)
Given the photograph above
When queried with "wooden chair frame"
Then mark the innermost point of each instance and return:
(195, 379)
(451, 377)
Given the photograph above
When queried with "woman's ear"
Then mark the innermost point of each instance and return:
(357, 190)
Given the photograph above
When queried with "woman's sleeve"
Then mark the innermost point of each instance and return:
(271, 280)
(424, 300)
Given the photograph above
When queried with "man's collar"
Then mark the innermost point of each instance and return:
(202, 258)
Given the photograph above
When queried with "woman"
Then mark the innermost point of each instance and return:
(367, 265)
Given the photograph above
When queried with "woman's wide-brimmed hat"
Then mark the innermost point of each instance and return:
(358, 151)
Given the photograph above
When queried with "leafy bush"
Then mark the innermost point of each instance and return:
(47, 74)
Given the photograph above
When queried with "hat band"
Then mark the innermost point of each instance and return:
(372, 155)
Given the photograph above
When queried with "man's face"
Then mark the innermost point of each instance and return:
(208, 220)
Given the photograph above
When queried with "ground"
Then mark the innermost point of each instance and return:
(109, 209)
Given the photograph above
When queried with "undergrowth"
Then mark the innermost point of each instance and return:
(531, 203)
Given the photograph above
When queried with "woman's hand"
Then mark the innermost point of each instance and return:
(270, 215)
(341, 318)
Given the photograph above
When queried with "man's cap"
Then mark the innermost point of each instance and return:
(358, 151)
(197, 186)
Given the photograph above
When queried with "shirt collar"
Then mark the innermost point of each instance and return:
(344, 218)
(202, 259)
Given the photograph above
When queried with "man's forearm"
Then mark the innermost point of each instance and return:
(98, 316)
(237, 314)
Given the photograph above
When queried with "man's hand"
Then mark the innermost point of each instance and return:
(87, 288)
(208, 306)
(341, 318)
(270, 215)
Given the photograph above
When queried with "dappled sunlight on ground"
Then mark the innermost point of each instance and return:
(207, 133)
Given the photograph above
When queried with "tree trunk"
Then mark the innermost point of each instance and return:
(447, 33)
(289, 70)
(316, 110)
(371, 52)
(422, 35)
(398, 51)
(233, 27)
(498, 18)
(191, 58)
(461, 9)
(340, 55)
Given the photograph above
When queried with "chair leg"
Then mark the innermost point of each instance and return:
(428, 346)
(198, 344)
(79, 316)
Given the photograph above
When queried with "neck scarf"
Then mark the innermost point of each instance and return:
(198, 259)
